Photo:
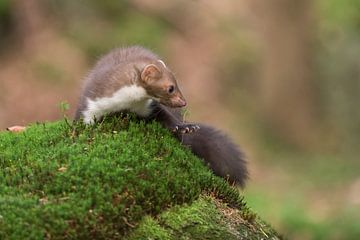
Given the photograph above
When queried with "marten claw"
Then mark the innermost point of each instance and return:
(186, 128)
(195, 128)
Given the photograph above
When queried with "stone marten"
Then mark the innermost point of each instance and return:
(135, 79)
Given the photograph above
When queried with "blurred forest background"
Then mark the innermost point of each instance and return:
(281, 76)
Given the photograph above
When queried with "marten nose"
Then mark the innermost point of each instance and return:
(179, 102)
(182, 103)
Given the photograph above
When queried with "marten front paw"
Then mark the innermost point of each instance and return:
(186, 128)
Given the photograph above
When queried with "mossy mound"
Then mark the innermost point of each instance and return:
(205, 218)
(119, 178)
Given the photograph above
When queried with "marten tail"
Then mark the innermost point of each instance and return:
(219, 152)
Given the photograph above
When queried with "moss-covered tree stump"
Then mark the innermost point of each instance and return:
(119, 179)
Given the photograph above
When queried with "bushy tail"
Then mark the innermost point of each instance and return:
(219, 152)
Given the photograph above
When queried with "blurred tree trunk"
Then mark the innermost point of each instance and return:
(195, 45)
(30, 20)
(43, 69)
(286, 84)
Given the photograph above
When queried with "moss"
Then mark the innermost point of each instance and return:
(205, 218)
(71, 181)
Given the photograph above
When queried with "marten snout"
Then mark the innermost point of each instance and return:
(178, 102)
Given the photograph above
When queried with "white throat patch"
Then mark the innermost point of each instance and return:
(132, 98)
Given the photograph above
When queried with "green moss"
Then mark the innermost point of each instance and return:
(149, 228)
(205, 218)
(71, 181)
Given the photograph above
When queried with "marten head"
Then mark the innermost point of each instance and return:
(160, 83)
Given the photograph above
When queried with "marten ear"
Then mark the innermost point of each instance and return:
(150, 72)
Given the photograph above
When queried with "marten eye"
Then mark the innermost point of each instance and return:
(171, 89)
